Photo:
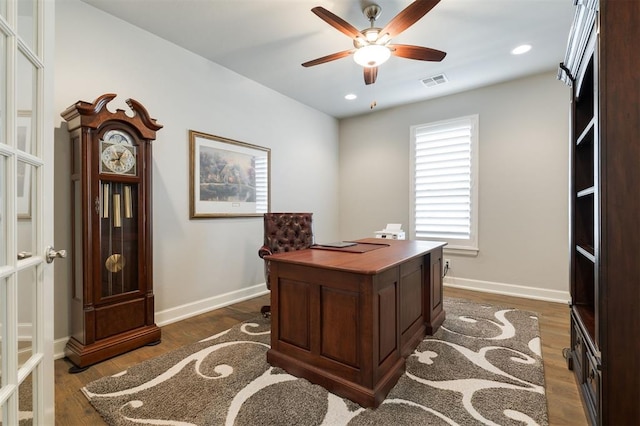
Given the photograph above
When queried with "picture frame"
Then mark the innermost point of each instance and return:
(24, 171)
(227, 178)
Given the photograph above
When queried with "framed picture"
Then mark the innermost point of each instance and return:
(227, 178)
(23, 143)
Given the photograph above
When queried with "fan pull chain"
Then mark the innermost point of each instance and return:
(374, 103)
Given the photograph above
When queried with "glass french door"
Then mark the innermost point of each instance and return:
(26, 212)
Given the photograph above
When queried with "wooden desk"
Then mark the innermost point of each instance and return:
(347, 321)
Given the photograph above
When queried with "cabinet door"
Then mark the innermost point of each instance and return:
(434, 312)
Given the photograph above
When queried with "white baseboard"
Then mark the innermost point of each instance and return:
(189, 310)
(58, 347)
(508, 289)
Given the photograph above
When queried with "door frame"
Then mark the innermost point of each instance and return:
(18, 363)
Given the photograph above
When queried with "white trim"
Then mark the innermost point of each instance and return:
(508, 289)
(189, 310)
(461, 251)
(25, 332)
(58, 347)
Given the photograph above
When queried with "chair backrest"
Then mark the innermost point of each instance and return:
(287, 231)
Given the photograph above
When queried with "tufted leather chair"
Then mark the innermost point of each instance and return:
(284, 232)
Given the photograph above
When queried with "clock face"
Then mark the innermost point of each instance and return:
(118, 153)
(118, 159)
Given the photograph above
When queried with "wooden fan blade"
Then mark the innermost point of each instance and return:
(337, 22)
(328, 58)
(409, 16)
(417, 52)
(370, 75)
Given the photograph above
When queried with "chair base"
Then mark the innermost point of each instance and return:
(266, 311)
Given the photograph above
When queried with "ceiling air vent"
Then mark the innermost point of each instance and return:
(435, 80)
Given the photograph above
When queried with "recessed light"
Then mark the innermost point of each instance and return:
(524, 48)
(350, 96)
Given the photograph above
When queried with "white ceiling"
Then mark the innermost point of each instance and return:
(267, 40)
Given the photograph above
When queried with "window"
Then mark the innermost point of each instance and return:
(444, 183)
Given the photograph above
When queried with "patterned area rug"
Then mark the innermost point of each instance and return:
(483, 366)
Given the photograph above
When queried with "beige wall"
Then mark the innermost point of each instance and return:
(206, 263)
(523, 198)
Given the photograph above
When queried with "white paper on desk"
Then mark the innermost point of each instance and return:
(392, 227)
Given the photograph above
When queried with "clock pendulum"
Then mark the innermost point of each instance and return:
(115, 263)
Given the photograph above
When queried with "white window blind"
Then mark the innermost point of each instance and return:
(444, 183)
(262, 184)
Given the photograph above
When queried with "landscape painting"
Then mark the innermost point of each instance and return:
(228, 177)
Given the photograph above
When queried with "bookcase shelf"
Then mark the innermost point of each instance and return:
(587, 251)
(587, 133)
(586, 192)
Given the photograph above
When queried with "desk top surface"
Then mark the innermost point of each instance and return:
(365, 261)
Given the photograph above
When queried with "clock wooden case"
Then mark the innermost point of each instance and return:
(112, 307)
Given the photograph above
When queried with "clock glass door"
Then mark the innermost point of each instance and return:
(119, 242)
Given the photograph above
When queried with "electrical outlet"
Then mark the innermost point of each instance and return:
(447, 263)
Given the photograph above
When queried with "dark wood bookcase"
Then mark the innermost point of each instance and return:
(602, 64)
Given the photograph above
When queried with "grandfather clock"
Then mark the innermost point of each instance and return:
(112, 308)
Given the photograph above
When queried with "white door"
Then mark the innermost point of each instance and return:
(26, 211)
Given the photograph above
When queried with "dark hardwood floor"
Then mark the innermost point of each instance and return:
(563, 400)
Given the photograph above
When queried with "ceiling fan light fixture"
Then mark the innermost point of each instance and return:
(372, 55)
(372, 45)
(371, 34)
(383, 39)
(359, 42)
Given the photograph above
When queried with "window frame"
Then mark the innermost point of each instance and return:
(455, 246)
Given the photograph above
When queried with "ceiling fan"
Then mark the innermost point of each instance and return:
(372, 45)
